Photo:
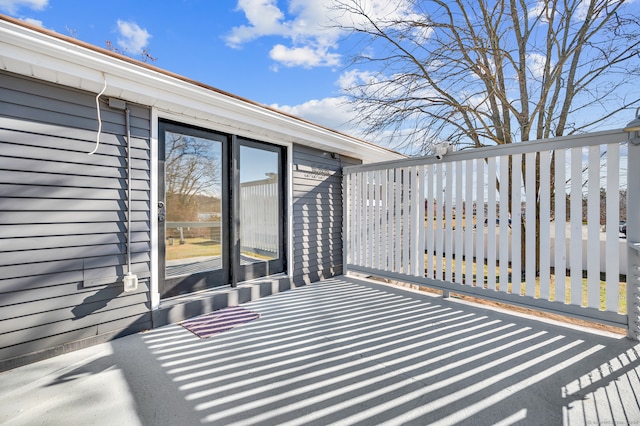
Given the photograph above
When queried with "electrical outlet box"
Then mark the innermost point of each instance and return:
(130, 283)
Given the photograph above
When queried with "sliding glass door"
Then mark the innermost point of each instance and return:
(261, 210)
(221, 209)
(193, 210)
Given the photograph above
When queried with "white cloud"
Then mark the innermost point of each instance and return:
(599, 10)
(377, 85)
(265, 18)
(36, 22)
(384, 12)
(421, 33)
(581, 11)
(333, 113)
(478, 102)
(133, 38)
(305, 25)
(12, 6)
(535, 64)
(311, 27)
(351, 78)
(308, 20)
(540, 9)
(306, 56)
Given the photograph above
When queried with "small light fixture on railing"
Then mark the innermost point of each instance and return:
(633, 128)
(442, 149)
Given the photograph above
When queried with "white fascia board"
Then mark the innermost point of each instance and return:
(41, 56)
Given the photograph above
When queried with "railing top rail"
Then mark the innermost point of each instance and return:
(564, 142)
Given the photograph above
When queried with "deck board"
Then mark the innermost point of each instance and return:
(344, 351)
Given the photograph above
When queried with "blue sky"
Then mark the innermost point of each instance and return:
(287, 54)
(277, 53)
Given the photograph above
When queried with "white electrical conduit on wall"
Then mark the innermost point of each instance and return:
(130, 280)
(128, 127)
(99, 118)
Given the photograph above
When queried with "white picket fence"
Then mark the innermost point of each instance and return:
(422, 220)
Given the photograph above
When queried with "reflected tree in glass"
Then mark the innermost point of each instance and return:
(193, 176)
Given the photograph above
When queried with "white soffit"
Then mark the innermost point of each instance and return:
(55, 58)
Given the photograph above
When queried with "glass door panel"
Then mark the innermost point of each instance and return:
(193, 229)
(261, 210)
(221, 209)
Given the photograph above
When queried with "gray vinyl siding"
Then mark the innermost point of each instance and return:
(63, 219)
(317, 214)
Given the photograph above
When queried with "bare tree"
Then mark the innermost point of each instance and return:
(481, 72)
(145, 54)
(192, 175)
(486, 72)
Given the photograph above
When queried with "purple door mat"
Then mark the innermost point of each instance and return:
(208, 325)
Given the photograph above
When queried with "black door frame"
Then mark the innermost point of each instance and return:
(260, 269)
(232, 271)
(169, 287)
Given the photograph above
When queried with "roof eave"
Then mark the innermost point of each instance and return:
(42, 54)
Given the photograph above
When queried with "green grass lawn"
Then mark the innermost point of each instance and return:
(193, 247)
(622, 289)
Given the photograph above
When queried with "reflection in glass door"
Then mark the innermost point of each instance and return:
(221, 211)
(258, 204)
(261, 210)
(194, 221)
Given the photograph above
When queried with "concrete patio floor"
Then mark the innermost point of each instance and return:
(341, 351)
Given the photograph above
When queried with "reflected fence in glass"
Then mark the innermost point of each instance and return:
(259, 233)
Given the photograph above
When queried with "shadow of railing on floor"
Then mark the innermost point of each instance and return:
(349, 353)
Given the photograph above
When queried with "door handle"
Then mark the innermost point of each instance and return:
(161, 212)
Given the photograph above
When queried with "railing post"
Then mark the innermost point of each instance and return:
(633, 237)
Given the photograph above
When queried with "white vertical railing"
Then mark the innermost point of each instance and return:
(544, 197)
(430, 229)
(504, 216)
(480, 218)
(469, 207)
(575, 246)
(389, 206)
(530, 225)
(438, 201)
(516, 222)
(491, 223)
(612, 247)
(458, 226)
(560, 234)
(526, 223)
(448, 215)
(593, 228)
